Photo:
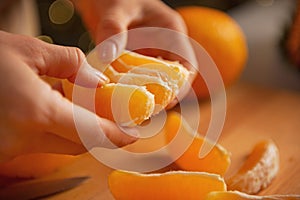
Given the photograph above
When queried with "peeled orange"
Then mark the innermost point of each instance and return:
(221, 37)
(141, 86)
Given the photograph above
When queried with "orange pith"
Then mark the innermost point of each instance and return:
(258, 170)
(132, 62)
(216, 161)
(236, 195)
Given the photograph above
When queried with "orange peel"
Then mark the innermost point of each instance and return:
(259, 169)
(169, 185)
(216, 161)
(236, 195)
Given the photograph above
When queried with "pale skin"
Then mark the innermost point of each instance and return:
(37, 118)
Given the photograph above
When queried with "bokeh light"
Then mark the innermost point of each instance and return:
(61, 11)
(45, 38)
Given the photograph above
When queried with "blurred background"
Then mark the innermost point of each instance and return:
(266, 24)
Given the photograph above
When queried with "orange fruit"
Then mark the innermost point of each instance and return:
(162, 78)
(127, 105)
(221, 37)
(34, 165)
(236, 195)
(169, 185)
(259, 169)
(216, 161)
(132, 71)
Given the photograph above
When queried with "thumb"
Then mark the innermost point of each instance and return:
(67, 62)
(111, 35)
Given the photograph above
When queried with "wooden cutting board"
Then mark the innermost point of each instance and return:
(253, 114)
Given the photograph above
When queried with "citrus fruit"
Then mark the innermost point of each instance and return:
(216, 161)
(259, 169)
(222, 38)
(128, 105)
(141, 86)
(169, 185)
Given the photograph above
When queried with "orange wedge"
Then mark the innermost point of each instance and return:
(127, 105)
(216, 161)
(235, 195)
(171, 185)
(163, 94)
(129, 61)
(258, 170)
(162, 78)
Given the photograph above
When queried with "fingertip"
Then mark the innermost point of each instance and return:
(107, 51)
(89, 77)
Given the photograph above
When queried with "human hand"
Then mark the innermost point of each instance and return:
(36, 118)
(106, 18)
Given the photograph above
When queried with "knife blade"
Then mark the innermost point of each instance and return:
(39, 189)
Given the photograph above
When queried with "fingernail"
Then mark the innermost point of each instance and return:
(98, 75)
(102, 78)
(107, 51)
(130, 131)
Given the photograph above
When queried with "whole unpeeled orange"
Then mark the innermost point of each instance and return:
(222, 38)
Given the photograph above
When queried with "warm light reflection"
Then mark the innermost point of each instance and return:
(61, 11)
(45, 38)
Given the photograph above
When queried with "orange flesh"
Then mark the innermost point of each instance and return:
(124, 104)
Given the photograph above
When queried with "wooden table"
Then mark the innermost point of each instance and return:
(253, 114)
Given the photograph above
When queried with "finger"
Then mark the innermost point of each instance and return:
(70, 63)
(111, 31)
(53, 60)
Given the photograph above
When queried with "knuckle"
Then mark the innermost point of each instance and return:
(111, 24)
(176, 22)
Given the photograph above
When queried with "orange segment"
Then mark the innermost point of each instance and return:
(216, 161)
(34, 165)
(258, 170)
(127, 105)
(171, 185)
(163, 94)
(132, 62)
(235, 195)
(162, 78)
